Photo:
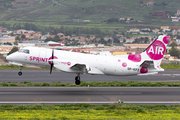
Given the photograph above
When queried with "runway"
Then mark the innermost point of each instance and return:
(96, 95)
(44, 76)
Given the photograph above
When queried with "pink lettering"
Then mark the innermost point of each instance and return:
(42, 59)
(34, 58)
(156, 50)
(30, 58)
(66, 63)
(37, 59)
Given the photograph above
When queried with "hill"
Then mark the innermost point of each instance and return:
(97, 11)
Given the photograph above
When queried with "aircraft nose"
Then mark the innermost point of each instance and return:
(8, 58)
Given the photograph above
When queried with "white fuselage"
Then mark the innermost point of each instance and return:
(108, 65)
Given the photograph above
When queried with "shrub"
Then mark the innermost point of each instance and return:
(45, 84)
(140, 110)
(25, 82)
(12, 84)
(4, 84)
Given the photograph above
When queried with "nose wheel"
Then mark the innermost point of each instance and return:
(20, 73)
(77, 80)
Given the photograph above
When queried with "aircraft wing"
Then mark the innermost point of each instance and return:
(86, 69)
(75, 67)
(80, 67)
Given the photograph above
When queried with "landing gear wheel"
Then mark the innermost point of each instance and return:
(77, 78)
(78, 82)
(19, 73)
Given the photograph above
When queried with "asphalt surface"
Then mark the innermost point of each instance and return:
(44, 76)
(151, 95)
(61, 95)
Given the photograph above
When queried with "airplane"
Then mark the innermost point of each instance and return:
(148, 62)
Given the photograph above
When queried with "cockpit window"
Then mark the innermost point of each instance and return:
(24, 51)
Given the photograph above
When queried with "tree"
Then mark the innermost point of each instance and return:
(173, 44)
(174, 51)
(17, 38)
(110, 20)
(116, 40)
(12, 34)
(141, 40)
(146, 40)
(23, 36)
(14, 49)
(7, 43)
(16, 42)
(136, 40)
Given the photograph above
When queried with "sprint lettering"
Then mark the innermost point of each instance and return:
(38, 59)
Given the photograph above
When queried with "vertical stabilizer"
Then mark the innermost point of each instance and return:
(155, 51)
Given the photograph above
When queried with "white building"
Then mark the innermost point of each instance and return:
(6, 38)
(102, 53)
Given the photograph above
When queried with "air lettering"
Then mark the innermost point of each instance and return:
(158, 50)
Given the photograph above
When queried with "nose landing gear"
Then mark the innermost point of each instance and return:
(20, 73)
(77, 79)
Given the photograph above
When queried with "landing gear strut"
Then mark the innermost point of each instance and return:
(77, 79)
(20, 73)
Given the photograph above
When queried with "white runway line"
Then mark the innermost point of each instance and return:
(166, 75)
(151, 102)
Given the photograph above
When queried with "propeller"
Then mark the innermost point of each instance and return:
(52, 64)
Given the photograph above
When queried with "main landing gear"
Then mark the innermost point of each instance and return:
(20, 73)
(77, 79)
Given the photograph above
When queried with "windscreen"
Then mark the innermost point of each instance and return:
(24, 51)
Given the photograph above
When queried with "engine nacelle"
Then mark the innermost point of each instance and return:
(143, 70)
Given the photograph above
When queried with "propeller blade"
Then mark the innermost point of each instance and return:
(52, 54)
(51, 68)
(52, 64)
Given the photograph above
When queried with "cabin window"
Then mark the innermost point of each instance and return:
(24, 51)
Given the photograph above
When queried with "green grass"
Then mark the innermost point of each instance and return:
(95, 10)
(170, 66)
(90, 112)
(92, 84)
(82, 106)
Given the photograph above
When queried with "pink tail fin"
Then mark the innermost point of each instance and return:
(157, 49)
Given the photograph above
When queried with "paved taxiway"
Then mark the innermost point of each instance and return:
(44, 76)
(163, 95)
